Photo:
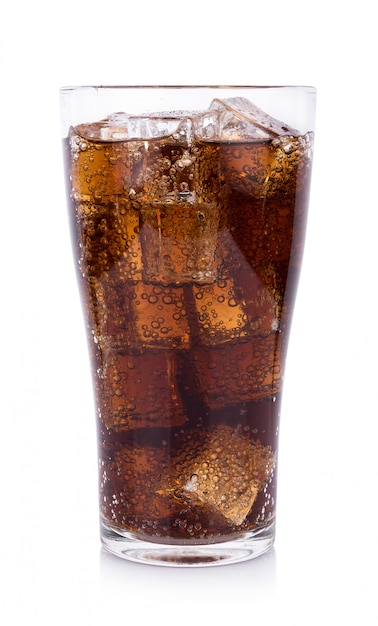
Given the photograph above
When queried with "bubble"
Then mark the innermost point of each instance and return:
(236, 153)
(165, 163)
(289, 148)
(182, 163)
(184, 188)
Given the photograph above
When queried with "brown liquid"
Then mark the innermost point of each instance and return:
(188, 259)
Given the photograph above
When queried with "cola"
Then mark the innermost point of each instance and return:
(188, 232)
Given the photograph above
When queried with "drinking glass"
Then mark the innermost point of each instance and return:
(188, 210)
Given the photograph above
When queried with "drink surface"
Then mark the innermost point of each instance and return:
(188, 231)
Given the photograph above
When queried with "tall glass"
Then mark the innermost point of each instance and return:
(188, 211)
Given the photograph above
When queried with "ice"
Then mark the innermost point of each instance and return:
(123, 126)
(217, 475)
(98, 169)
(235, 350)
(179, 241)
(128, 488)
(160, 316)
(220, 314)
(238, 320)
(168, 178)
(233, 373)
(139, 390)
(136, 315)
(259, 290)
(263, 169)
(127, 156)
(220, 472)
(259, 154)
(235, 308)
(175, 186)
(137, 326)
(109, 241)
(240, 119)
(265, 195)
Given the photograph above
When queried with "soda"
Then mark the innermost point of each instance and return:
(188, 230)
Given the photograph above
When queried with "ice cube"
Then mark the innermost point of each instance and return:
(174, 183)
(107, 237)
(179, 242)
(220, 314)
(259, 154)
(233, 373)
(128, 490)
(139, 390)
(263, 169)
(136, 315)
(220, 471)
(242, 303)
(264, 179)
(129, 155)
(160, 316)
(180, 207)
(241, 119)
(98, 169)
(124, 126)
(261, 296)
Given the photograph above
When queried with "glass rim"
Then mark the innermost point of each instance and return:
(68, 89)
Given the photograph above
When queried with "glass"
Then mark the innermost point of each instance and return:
(188, 210)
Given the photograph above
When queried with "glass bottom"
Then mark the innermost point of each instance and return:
(236, 550)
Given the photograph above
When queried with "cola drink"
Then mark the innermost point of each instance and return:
(188, 230)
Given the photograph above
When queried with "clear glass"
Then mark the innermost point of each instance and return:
(188, 210)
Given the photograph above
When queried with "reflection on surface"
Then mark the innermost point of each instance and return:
(248, 581)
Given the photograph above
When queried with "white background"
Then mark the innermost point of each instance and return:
(324, 566)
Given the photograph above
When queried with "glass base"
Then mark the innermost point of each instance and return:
(236, 550)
